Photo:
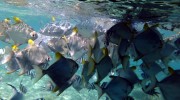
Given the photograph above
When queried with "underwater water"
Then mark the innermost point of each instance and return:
(105, 13)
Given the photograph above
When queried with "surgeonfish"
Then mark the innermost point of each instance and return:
(88, 71)
(96, 49)
(128, 74)
(121, 30)
(113, 53)
(118, 89)
(104, 66)
(60, 72)
(123, 52)
(144, 44)
(151, 69)
(169, 87)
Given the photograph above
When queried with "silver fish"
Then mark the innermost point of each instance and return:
(57, 29)
(20, 33)
(3, 28)
(36, 56)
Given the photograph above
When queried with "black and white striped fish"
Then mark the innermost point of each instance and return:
(31, 73)
(49, 86)
(22, 88)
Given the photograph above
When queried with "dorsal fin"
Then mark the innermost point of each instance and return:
(58, 55)
(53, 19)
(74, 31)
(15, 48)
(31, 42)
(105, 51)
(7, 20)
(91, 66)
(146, 26)
(17, 20)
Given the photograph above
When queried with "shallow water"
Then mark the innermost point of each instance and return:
(37, 13)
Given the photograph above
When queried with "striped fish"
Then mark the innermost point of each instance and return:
(49, 86)
(22, 88)
(31, 73)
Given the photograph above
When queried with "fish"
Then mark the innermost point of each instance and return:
(144, 43)
(49, 86)
(36, 55)
(27, 57)
(86, 28)
(96, 48)
(113, 53)
(88, 71)
(12, 65)
(20, 32)
(22, 88)
(16, 94)
(118, 89)
(58, 45)
(104, 66)
(151, 69)
(57, 29)
(123, 52)
(30, 73)
(120, 30)
(163, 54)
(128, 74)
(60, 72)
(169, 87)
(6, 55)
(4, 24)
(177, 43)
(23, 63)
(77, 82)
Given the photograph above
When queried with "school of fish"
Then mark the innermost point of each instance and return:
(59, 49)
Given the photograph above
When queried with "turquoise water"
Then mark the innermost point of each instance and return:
(37, 17)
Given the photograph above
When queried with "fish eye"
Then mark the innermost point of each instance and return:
(48, 58)
(33, 34)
